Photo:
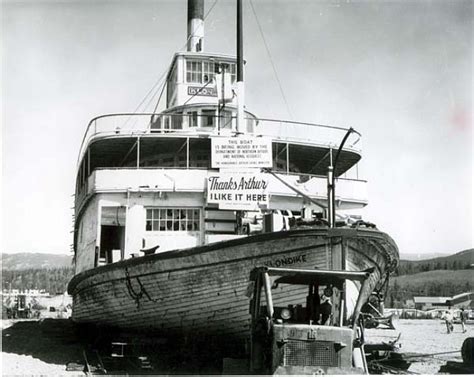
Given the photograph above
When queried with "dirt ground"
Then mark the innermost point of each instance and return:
(425, 336)
(44, 347)
(32, 347)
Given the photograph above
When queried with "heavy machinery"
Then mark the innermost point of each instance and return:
(307, 321)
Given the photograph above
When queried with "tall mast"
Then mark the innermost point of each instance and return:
(195, 25)
(240, 70)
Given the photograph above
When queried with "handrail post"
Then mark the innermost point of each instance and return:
(138, 152)
(187, 153)
(331, 210)
(240, 70)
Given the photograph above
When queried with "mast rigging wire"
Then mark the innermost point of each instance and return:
(162, 77)
(185, 44)
(271, 61)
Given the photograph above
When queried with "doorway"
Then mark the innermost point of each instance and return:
(112, 235)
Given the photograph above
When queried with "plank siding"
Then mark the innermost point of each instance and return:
(203, 290)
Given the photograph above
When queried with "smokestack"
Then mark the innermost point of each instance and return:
(195, 25)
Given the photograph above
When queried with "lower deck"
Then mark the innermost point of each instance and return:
(126, 211)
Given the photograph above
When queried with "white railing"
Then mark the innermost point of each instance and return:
(280, 130)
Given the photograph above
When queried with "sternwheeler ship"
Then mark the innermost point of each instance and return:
(174, 209)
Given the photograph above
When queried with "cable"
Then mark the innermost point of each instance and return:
(162, 76)
(184, 45)
(197, 92)
(159, 98)
(210, 9)
(160, 79)
(271, 60)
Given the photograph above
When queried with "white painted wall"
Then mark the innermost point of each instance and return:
(177, 180)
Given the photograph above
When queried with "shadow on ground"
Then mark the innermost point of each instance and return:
(50, 340)
(58, 341)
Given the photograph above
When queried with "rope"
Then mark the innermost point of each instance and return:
(375, 364)
(271, 60)
(431, 354)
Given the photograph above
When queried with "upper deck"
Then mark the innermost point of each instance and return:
(201, 104)
(133, 140)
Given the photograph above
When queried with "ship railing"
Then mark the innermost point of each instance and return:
(136, 124)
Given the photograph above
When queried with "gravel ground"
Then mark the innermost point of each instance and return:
(425, 336)
(44, 347)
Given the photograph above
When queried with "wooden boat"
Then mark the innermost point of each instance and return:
(163, 186)
(202, 290)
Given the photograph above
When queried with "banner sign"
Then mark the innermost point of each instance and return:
(238, 191)
(241, 152)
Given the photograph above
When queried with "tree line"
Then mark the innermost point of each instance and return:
(53, 280)
(399, 293)
(410, 267)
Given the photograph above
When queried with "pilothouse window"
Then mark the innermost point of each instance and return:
(194, 71)
(172, 219)
(208, 71)
(202, 72)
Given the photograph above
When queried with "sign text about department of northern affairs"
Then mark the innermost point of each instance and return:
(241, 152)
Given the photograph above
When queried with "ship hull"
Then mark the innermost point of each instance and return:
(202, 290)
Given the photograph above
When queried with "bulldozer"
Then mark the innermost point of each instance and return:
(305, 321)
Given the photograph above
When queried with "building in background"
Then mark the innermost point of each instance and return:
(442, 303)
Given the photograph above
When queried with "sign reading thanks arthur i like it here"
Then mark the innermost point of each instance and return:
(241, 152)
(238, 191)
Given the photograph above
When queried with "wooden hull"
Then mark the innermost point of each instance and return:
(202, 290)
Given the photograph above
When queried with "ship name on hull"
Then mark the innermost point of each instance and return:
(286, 261)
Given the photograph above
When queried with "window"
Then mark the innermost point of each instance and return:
(232, 69)
(199, 71)
(226, 121)
(208, 71)
(208, 118)
(202, 71)
(193, 119)
(194, 71)
(172, 219)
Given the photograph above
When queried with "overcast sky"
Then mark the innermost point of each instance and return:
(399, 72)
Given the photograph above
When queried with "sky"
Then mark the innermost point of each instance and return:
(399, 72)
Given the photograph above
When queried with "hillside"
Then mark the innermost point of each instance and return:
(49, 272)
(424, 256)
(440, 283)
(443, 276)
(459, 261)
(24, 261)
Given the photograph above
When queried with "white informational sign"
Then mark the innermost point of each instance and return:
(246, 192)
(241, 152)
